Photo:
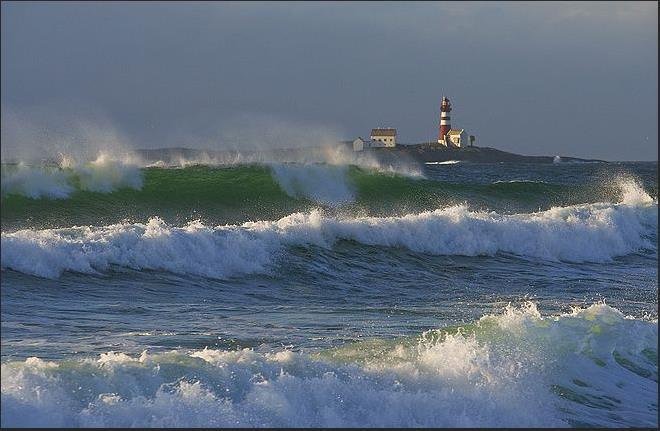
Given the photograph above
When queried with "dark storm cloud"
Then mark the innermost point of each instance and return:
(565, 78)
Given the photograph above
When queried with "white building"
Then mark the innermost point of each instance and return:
(456, 138)
(361, 144)
(385, 137)
(358, 144)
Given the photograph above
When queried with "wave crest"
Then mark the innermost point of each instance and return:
(582, 233)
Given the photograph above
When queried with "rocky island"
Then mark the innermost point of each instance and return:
(423, 153)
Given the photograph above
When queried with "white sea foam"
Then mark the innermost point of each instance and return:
(559, 160)
(583, 233)
(516, 369)
(447, 162)
(519, 182)
(104, 174)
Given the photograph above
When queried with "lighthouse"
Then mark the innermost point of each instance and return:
(448, 137)
(445, 125)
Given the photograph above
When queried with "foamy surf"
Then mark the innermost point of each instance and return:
(135, 300)
(582, 233)
(590, 367)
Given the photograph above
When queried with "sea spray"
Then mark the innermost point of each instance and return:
(103, 174)
(48, 182)
(326, 184)
(632, 193)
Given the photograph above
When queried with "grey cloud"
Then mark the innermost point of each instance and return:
(570, 78)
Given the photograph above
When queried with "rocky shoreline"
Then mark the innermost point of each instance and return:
(423, 153)
(417, 152)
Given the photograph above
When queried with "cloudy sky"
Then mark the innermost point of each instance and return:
(541, 78)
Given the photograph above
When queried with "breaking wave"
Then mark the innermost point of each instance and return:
(326, 184)
(108, 191)
(103, 175)
(591, 367)
(581, 233)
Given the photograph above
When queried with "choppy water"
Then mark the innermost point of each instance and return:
(293, 294)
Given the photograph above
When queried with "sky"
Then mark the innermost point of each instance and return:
(537, 78)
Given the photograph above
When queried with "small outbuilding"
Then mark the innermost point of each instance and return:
(456, 138)
(358, 144)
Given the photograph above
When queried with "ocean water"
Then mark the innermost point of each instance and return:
(316, 294)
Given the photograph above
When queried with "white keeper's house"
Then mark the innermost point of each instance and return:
(384, 137)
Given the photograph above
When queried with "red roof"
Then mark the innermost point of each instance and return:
(383, 132)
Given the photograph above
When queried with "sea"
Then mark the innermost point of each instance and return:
(327, 294)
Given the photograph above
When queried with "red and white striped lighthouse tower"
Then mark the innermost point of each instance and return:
(445, 125)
